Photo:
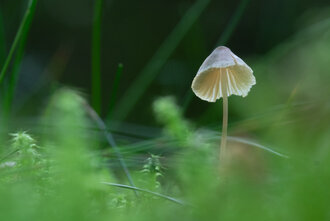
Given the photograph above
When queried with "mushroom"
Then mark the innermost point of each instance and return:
(221, 75)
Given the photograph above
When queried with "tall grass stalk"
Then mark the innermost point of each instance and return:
(2, 41)
(150, 71)
(233, 22)
(225, 36)
(96, 56)
(114, 91)
(2, 51)
(15, 71)
(24, 27)
(145, 191)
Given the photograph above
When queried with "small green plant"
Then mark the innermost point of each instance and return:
(26, 149)
(153, 169)
(170, 115)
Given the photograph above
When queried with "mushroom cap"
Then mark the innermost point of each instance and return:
(222, 65)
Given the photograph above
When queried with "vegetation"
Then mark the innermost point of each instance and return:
(64, 159)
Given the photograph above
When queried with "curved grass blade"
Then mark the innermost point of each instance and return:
(146, 191)
(251, 143)
(214, 135)
(111, 141)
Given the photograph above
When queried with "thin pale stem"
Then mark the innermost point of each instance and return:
(225, 116)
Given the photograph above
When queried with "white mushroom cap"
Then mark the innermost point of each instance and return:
(221, 66)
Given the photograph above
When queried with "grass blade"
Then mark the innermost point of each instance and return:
(146, 191)
(111, 141)
(150, 71)
(8, 155)
(115, 86)
(25, 24)
(251, 143)
(96, 56)
(233, 23)
(16, 68)
(2, 54)
(2, 41)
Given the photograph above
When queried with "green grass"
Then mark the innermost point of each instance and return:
(137, 89)
(2, 41)
(101, 125)
(234, 21)
(15, 74)
(114, 90)
(18, 46)
(21, 34)
(62, 170)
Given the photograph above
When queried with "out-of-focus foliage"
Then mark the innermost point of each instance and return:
(56, 179)
(168, 113)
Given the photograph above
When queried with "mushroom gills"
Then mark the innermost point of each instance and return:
(209, 86)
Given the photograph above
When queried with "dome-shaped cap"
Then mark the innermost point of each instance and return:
(221, 66)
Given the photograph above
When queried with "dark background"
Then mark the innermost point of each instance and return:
(59, 43)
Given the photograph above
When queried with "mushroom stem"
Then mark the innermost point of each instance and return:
(225, 116)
